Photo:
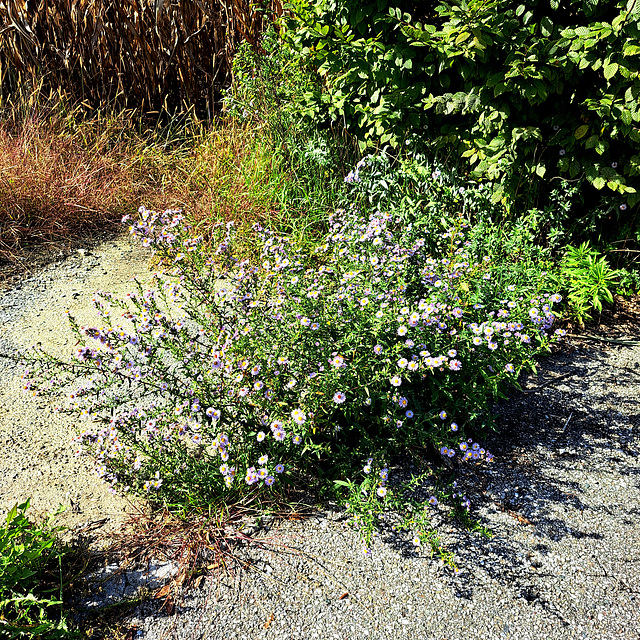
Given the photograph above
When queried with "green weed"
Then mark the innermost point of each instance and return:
(31, 581)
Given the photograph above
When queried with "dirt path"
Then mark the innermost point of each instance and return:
(36, 457)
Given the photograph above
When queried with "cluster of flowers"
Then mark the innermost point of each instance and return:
(381, 491)
(470, 451)
(354, 175)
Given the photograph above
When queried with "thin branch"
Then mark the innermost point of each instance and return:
(624, 343)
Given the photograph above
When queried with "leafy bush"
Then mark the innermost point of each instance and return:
(526, 93)
(30, 600)
(227, 378)
(629, 283)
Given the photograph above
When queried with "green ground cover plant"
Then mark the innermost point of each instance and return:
(31, 580)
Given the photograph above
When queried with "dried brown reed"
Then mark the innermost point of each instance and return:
(146, 54)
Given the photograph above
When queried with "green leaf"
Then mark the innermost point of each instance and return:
(541, 170)
(465, 35)
(546, 26)
(497, 195)
(501, 87)
(591, 172)
(591, 142)
(599, 183)
(574, 169)
(610, 70)
(581, 131)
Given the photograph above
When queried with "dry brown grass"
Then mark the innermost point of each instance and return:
(65, 175)
(201, 546)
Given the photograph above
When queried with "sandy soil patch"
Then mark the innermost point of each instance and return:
(36, 456)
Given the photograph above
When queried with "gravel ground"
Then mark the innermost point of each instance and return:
(561, 498)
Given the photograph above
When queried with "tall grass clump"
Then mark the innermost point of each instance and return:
(332, 369)
(67, 172)
(265, 97)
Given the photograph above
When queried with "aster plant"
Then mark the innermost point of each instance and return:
(228, 378)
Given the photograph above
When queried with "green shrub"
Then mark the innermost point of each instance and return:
(528, 93)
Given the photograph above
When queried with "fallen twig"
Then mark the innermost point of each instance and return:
(624, 343)
(548, 382)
